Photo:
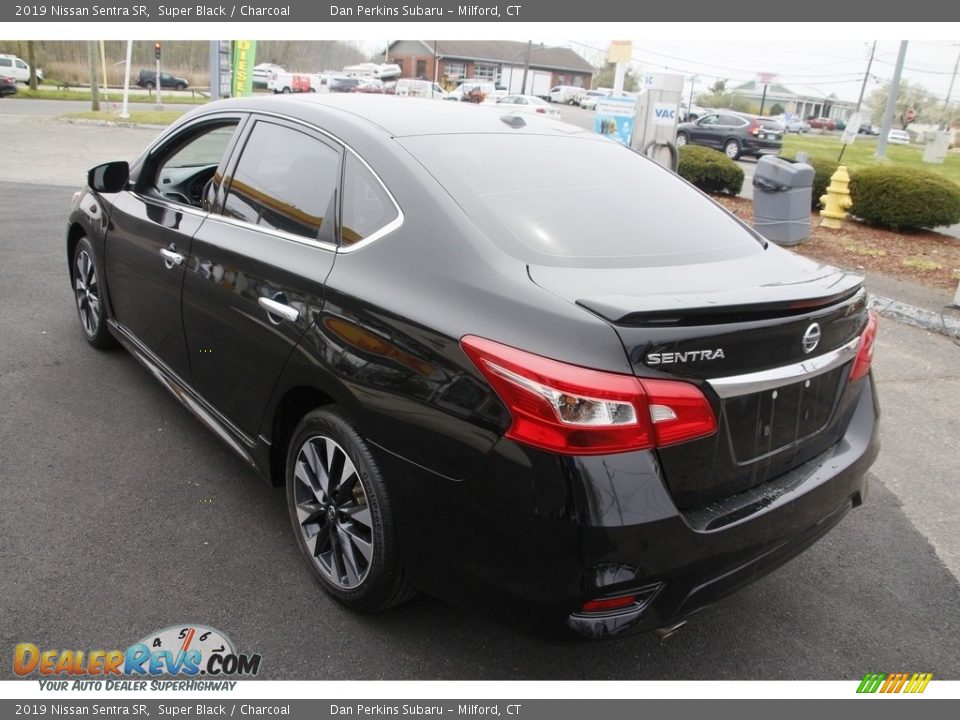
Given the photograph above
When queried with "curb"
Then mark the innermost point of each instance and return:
(114, 123)
(942, 322)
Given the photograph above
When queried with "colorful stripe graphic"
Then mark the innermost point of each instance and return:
(894, 682)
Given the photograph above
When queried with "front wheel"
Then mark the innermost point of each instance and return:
(89, 297)
(732, 149)
(682, 139)
(342, 515)
(286, 91)
(181, 87)
(149, 85)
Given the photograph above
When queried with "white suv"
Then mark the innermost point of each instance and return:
(12, 66)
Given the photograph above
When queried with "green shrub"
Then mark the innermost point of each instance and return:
(903, 198)
(823, 170)
(710, 170)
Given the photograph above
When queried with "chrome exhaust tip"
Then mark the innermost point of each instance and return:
(668, 631)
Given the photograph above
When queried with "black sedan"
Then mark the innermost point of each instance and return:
(8, 86)
(403, 314)
(736, 134)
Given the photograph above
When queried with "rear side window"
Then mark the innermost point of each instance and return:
(6, 62)
(284, 180)
(579, 201)
(367, 209)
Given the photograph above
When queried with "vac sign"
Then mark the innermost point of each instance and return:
(664, 113)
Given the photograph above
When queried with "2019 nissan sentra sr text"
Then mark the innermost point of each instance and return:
(411, 318)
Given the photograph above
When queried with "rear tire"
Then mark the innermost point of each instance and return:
(181, 87)
(341, 513)
(731, 148)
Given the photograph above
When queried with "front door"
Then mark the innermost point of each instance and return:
(151, 227)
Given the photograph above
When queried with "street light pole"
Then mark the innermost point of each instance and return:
(693, 82)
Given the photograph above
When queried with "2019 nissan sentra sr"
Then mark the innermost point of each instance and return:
(493, 357)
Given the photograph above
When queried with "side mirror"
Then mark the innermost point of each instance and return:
(110, 177)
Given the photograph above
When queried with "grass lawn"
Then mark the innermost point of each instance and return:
(862, 153)
(48, 92)
(137, 117)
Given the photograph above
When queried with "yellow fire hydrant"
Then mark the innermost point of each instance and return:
(837, 199)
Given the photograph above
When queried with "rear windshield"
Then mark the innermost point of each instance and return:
(554, 200)
(771, 125)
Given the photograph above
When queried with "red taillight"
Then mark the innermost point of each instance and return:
(861, 364)
(577, 411)
(755, 127)
(608, 604)
(541, 110)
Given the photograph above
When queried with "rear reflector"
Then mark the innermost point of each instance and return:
(608, 604)
(861, 364)
(577, 411)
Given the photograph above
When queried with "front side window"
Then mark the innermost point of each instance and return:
(367, 209)
(189, 161)
(285, 180)
(21, 64)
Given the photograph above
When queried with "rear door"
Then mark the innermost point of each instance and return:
(255, 278)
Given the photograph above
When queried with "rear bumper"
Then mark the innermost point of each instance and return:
(761, 147)
(533, 536)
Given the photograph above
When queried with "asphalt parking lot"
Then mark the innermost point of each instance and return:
(120, 514)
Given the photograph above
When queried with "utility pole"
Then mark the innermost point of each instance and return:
(763, 98)
(863, 88)
(94, 90)
(526, 68)
(891, 102)
(944, 122)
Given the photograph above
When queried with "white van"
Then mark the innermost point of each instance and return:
(409, 87)
(12, 66)
(567, 94)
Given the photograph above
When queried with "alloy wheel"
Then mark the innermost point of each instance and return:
(88, 293)
(333, 512)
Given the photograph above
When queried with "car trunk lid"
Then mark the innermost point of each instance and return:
(768, 338)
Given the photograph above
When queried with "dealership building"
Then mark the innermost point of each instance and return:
(453, 60)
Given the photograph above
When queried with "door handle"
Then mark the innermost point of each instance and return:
(278, 310)
(171, 258)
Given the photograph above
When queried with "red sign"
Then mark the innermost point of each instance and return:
(911, 115)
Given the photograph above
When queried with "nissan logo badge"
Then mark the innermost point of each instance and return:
(811, 338)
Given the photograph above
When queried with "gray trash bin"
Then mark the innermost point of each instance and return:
(781, 200)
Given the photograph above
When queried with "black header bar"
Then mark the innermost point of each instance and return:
(734, 13)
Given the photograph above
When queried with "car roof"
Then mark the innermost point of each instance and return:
(398, 117)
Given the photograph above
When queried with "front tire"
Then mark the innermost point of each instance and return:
(342, 515)
(682, 139)
(731, 149)
(89, 297)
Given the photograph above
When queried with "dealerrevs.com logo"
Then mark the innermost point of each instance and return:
(185, 651)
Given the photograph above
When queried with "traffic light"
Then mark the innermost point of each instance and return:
(156, 50)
